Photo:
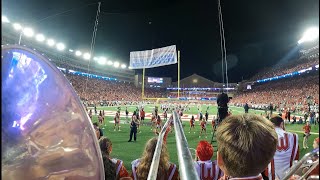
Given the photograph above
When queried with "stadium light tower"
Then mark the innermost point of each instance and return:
(28, 32)
(78, 53)
(86, 56)
(123, 66)
(309, 35)
(116, 64)
(60, 46)
(110, 63)
(50, 42)
(4, 19)
(102, 60)
(40, 37)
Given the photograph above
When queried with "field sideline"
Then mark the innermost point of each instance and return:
(129, 151)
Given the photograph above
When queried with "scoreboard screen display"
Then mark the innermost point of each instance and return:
(155, 80)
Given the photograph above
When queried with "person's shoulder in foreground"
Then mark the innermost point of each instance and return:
(246, 145)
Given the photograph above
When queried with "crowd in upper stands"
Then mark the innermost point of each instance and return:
(99, 90)
(286, 68)
(291, 93)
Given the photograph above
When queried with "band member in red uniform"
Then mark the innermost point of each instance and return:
(141, 167)
(206, 169)
(142, 116)
(243, 154)
(213, 125)
(192, 121)
(307, 129)
(203, 125)
(118, 167)
(117, 121)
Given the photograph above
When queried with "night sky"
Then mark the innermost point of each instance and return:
(258, 32)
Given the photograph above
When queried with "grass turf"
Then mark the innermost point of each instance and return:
(129, 151)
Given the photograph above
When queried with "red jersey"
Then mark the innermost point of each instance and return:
(142, 114)
(213, 123)
(192, 122)
(203, 124)
(121, 171)
(307, 129)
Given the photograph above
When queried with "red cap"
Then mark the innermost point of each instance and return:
(204, 151)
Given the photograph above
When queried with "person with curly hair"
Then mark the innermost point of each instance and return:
(114, 168)
(141, 167)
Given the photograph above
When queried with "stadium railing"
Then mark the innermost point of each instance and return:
(186, 165)
(187, 169)
(156, 156)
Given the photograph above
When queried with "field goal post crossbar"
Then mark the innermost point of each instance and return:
(143, 82)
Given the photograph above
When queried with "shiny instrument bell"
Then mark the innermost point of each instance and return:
(46, 133)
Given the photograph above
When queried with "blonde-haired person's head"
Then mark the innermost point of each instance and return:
(146, 160)
(246, 144)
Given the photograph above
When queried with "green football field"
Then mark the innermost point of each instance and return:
(129, 151)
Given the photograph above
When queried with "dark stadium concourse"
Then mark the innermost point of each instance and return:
(159, 89)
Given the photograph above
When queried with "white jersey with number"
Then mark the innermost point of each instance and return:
(208, 170)
(287, 151)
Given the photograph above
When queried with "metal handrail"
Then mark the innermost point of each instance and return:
(299, 164)
(187, 169)
(157, 153)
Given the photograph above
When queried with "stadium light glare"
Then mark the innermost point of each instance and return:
(50, 42)
(17, 26)
(70, 50)
(309, 35)
(40, 37)
(102, 60)
(61, 46)
(110, 62)
(123, 66)
(4, 19)
(95, 58)
(78, 53)
(116, 64)
(28, 32)
(86, 56)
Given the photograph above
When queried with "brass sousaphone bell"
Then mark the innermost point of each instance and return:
(46, 133)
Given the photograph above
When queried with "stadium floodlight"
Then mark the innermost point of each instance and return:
(116, 64)
(28, 32)
(40, 37)
(86, 56)
(78, 53)
(70, 50)
(50, 42)
(110, 62)
(4, 19)
(309, 35)
(123, 66)
(95, 58)
(60, 46)
(17, 26)
(102, 60)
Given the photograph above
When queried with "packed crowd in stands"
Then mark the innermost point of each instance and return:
(287, 93)
(112, 92)
(287, 68)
